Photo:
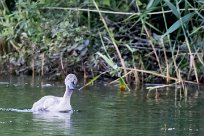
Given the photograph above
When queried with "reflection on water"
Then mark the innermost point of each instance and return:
(104, 111)
(57, 121)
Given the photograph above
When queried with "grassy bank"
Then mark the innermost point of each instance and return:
(134, 41)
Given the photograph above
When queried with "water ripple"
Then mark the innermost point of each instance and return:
(15, 110)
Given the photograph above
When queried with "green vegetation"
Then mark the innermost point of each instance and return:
(139, 41)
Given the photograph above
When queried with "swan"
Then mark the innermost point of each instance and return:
(57, 104)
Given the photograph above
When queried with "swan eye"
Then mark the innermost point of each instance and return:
(74, 82)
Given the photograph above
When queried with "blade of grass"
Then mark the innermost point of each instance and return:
(109, 61)
(186, 34)
(92, 80)
(178, 24)
(173, 8)
(113, 40)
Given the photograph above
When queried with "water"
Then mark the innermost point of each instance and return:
(101, 111)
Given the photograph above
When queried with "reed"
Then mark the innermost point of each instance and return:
(181, 25)
(135, 46)
(112, 39)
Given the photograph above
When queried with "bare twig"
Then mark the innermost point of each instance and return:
(155, 74)
(118, 13)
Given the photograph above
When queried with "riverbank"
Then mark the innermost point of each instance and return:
(40, 38)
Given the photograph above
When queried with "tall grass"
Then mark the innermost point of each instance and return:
(160, 42)
(183, 24)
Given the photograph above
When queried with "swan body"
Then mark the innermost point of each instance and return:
(57, 104)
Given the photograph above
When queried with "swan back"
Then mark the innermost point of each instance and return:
(55, 103)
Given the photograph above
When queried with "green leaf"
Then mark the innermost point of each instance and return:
(178, 24)
(138, 2)
(152, 4)
(130, 49)
(91, 81)
(108, 60)
(173, 8)
(122, 81)
(122, 84)
(106, 2)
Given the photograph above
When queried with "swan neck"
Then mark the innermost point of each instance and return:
(64, 105)
(68, 93)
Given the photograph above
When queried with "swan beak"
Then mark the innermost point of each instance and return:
(72, 86)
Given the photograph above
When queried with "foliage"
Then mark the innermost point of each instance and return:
(43, 39)
(151, 41)
(173, 40)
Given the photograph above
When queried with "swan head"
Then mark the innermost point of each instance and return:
(71, 81)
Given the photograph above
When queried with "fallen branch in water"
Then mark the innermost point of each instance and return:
(153, 73)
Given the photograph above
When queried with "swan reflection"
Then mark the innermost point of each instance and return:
(54, 122)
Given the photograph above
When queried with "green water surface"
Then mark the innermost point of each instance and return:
(102, 111)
